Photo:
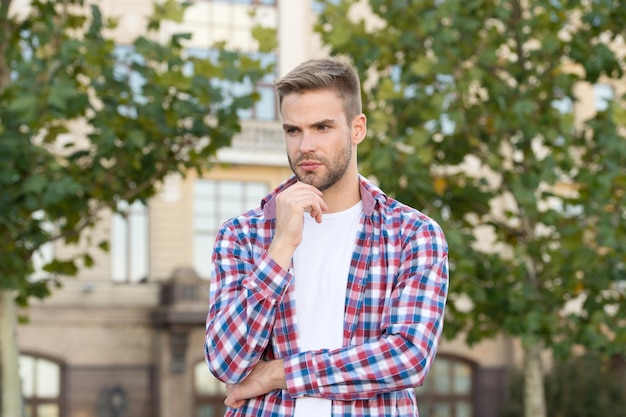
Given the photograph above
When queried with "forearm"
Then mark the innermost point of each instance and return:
(359, 372)
(282, 253)
(264, 378)
(241, 318)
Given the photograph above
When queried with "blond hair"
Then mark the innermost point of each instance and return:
(324, 74)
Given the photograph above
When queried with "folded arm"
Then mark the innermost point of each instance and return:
(244, 297)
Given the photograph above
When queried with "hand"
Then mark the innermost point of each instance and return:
(290, 206)
(265, 377)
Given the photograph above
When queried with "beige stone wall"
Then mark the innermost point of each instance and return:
(89, 335)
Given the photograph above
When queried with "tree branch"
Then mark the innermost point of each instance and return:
(517, 18)
(7, 27)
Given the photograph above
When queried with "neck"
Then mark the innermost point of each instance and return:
(343, 195)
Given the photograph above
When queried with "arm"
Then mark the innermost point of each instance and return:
(400, 355)
(264, 378)
(244, 296)
(247, 288)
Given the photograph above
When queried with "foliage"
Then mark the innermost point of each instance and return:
(86, 124)
(471, 110)
(580, 386)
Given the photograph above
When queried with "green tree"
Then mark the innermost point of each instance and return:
(580, 386)
(145, 111)
(471, 108)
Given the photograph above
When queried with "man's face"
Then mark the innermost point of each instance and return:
(318, 137)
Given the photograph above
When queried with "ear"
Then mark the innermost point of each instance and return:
(359, 129)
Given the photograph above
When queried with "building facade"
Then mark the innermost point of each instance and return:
(125, 338)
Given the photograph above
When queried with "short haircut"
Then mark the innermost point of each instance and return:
(332, 74)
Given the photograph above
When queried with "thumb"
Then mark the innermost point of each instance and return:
(233, 403)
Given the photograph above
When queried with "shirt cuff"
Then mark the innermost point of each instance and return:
(300, 375)
(269, 279)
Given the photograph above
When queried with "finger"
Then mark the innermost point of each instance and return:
(315, 204)
(316, 214)
(233, 403)
(306, 186)
(322, 206)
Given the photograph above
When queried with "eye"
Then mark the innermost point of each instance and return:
(323, 127)
(291, 131)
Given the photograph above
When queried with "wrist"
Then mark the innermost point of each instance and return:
(281, 254)
(277, 374)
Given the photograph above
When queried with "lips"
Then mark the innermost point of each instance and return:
(308, 165)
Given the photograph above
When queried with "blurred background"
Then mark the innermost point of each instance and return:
(131, 129)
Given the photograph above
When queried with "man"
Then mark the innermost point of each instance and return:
(328, 299)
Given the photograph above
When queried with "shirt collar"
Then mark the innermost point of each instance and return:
(370, 196)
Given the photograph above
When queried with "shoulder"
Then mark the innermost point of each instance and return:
(375, 200)
(394, 215)
(245, 222)
(409, 216)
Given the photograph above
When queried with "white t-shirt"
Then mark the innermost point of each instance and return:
(320, 266)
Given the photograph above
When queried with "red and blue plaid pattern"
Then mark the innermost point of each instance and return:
(395, 302)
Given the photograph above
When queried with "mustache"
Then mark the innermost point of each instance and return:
(309, 158)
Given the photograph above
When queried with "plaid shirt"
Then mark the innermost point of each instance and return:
(393, 320)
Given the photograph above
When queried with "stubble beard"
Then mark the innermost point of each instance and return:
(335, 169)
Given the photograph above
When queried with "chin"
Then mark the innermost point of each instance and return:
(307, 177)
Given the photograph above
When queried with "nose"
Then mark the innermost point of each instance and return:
(307, 142)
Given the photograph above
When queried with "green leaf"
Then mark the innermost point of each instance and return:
(104, 245)
(62, 267)
(61, 92)
(88, 260)
(57, 191)
(266, 37)
(35, 184)
(24, 104)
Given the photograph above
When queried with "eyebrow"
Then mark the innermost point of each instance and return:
(315, 124)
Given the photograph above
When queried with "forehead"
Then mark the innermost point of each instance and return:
(312, 106)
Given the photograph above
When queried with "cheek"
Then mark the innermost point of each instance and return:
(292, 149)
(291, 146)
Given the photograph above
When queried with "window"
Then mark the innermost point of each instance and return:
(209, 393)
(448, 389)
(214, 203)
(41, 386)
(232, 22)
(263, 109)
(129, 243)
